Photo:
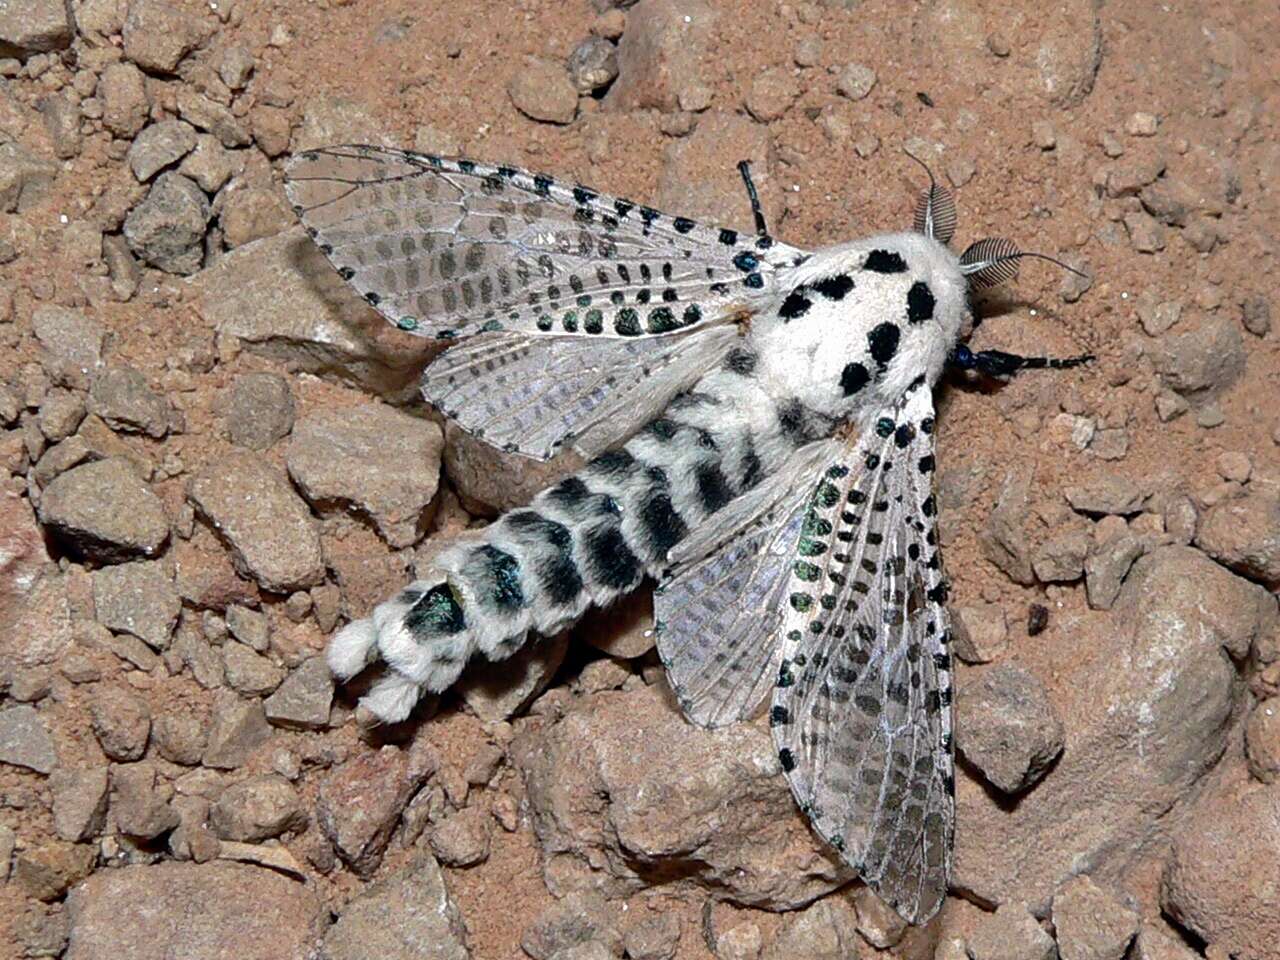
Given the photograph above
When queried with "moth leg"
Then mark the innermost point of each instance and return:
(744, 168)
(997, 363)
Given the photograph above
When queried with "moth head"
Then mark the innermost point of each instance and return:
(986, 263)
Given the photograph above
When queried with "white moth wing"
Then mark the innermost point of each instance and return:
(862, 711)
(717, 613)
(530, 394)
(450, 247)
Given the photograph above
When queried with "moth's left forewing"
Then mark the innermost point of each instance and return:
(862, 710)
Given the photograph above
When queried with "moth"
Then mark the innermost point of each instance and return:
(758, 424)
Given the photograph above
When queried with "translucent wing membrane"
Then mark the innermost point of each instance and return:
(862, 707)
(717, 615)
(447, 248)
(532, 393)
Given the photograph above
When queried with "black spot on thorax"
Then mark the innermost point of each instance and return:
(885, 261)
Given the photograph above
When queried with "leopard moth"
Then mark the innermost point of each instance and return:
(758, 425)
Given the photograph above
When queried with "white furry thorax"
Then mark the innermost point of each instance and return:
(804, 356)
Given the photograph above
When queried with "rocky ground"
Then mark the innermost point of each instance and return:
(214, 457)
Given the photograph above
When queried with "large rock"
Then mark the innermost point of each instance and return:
(490, 481)
(271, 532)
(359, 803)
(1220, 881)
(665, 799)
(408, 916)
(1146, 695)
(158, 35)
(377, 459)
(209, 911)
(104, 511)
(285, 301)
(167, 229)
(138, 598)
(33, 26)
(661, 57)
(1244, 534)
(1200, 361)
(25, 741)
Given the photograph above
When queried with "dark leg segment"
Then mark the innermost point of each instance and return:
(997, 363)
(744, 168)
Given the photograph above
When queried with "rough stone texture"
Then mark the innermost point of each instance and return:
(1154, 942)
(462, 839)
(284, 300)
(980, 632)
(1244, 534)
(1107, 493)
(138, 598)
(138, 809)
(123, 92)
(578, 919)
(122, 397)
(167, 229)
(673, 800)
(1092, 923)
(1011, 933)
(1106, 567)
(105, 511)
(121, 721)
(383, 462)
(215, 910)
(1006, 726)
(696, 181)
(304, 698)
(247, 672)
(1146, 696)
(46, 871)
(661, 56)
(825, 931)
(1216, 883)
(79, 802)
(34, 26)
(70, 339)
(181, 737)
(257, 809)
(359, 803)
(269, 528)
(1004, 539)
(157, 36)
(1262, 741)
(408, 916)
(501, 690)
(238, 729)
(253, 213)
(1201, 361)
(593, 64)
(211, 165)
(542, 90)
(158, 146)
(656, 937)
(24, 740)
(205, 575)
(1060, 559)
(771, 94)
(24, 178)
(624, 630)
